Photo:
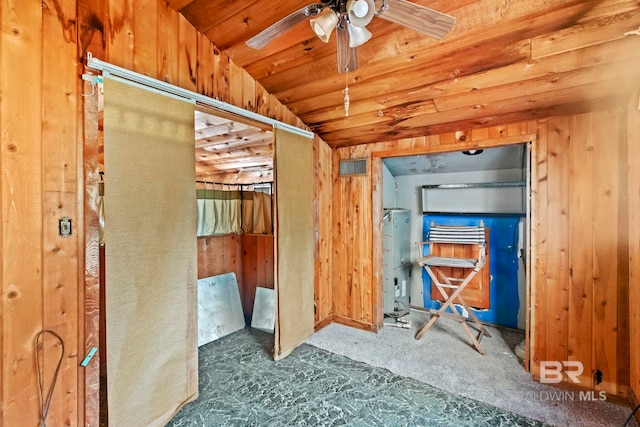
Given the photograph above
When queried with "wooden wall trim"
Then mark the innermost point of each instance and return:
(463, 144)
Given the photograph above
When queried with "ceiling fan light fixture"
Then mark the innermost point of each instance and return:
(358, 35)
(360, 12)
(323, 25)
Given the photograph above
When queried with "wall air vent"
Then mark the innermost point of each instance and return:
(353, 167)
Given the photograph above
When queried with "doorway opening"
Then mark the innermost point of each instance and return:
(485, 186)
(243, 143)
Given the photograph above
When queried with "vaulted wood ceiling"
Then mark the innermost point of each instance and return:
(504, 61)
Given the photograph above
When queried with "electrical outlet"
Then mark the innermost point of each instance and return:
(597, 376)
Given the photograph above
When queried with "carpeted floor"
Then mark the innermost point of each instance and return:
(444, 358)
(240, 385)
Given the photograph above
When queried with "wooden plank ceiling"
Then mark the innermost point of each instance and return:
(232, 151)
(504, 61)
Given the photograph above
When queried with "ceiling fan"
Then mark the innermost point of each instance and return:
(350, 18)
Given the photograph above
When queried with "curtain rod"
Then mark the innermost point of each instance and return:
(225, 183)
(140, 80)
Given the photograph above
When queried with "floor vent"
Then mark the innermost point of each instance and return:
(353, 167)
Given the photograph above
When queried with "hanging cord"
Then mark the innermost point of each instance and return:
(44, 403)
(346, 94)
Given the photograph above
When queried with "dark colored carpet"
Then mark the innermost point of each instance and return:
(240, 385)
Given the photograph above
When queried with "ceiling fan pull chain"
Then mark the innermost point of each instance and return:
(346, 94)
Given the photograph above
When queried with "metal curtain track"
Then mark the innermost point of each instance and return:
(148, 83)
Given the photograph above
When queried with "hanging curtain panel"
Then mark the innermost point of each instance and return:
(205, 212)
(151, 255)
(262, 221)
(219, 212)
(226, 212)
(247, 211)
(256, 212)
(295, 242)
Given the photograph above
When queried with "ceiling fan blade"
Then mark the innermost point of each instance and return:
(347, 55)
(274, 31)
(422, 19)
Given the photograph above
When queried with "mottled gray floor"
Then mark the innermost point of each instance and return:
(444, 358)
(240, 385)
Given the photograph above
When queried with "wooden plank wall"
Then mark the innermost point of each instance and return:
(323, 207)
(257, 267)
(354, 275)
(580, 286)
(219, 255)
(633, 186)
(579, 237)
(250, 256)
(48, 169)
(38, 164)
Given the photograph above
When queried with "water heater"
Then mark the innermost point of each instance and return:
(397, 260)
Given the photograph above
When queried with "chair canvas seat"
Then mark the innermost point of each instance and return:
(448, 262)
(452, 287)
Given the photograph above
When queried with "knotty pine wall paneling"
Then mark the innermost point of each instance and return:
(39, 268)
(48, 168)
(578, 307)
(60, 199)
(633, 189)
(22, 211)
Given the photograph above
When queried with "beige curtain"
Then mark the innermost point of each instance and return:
(219, 212)
(295, 241)
(257, 212)
(151, 255)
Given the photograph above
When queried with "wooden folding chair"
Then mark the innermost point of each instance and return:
(466, 235)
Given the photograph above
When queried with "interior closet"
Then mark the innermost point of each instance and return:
(461, 189)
